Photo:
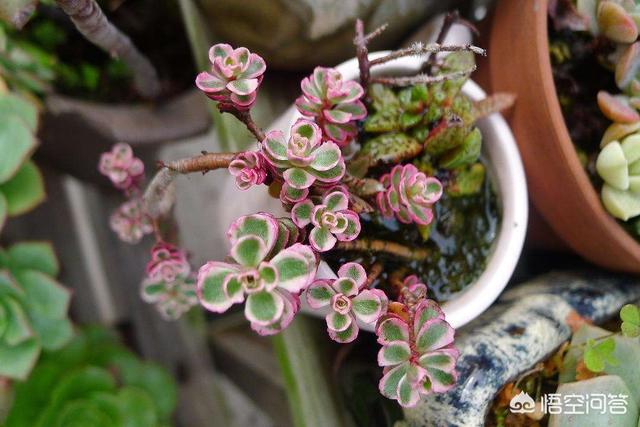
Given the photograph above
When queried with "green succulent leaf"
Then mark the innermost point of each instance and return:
(14, 105)
(16, 145)
(4, 208)
(157, 383)
(387, 120)
(390, 147)
(34, 255)
(137, 407)
(16, 361)
(43, 294)
(630, 316)
(598, 354)
(25, 190)
(468, 152)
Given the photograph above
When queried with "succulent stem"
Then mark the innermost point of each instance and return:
(245, 117)
(391, 248)
(95, 27)
(374, 272)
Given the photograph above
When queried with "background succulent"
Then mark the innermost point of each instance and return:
(618, 164)
(21, 183)
(436, 119)
(93, 381)
(33, 307)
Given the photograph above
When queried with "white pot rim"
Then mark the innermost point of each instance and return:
(507, 172)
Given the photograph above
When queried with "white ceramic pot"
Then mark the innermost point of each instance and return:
(505, 171)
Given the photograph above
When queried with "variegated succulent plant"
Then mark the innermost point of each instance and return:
(349, 301)
(270, 270)
(249, 168)
(304, 159)
(333, 103)
(122, 167)
(272, 261)
(409, 195)
(332, 220)
(417, 353)
(130, 221)
(234, 77)
(169, 283)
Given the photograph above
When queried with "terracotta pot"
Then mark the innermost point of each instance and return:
(558, 185)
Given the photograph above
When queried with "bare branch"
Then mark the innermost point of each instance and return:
(202, 163)
(362, 53)
(421, 49)
(95, 27)
(392, 248)
(245, 117)
(494, 103)
(422, 78)
(375, 33)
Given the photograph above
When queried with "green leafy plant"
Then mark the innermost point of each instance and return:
(33, 307)
(94, 381)
(630, 315)
(21, 184)
(600, 352)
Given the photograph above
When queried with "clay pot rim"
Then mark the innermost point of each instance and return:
(507, 172)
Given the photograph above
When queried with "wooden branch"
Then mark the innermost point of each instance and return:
(203, 163)
(421, 49)
(362, 53)
(391, 248)
(493, 104)
(245, 117)
(374, 272)
(95, 27)
(422, 78)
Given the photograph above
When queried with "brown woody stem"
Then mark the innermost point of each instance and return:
(202, 163)
(420, 49)
(362, 53)
(493, 104)
(245, 117)
(95, 27)
(392, 248)
(374, 272)
(422, 78)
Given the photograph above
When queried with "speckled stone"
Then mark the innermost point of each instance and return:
(525, 326)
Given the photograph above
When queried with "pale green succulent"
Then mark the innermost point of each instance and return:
(33, 307)
(618, 164)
